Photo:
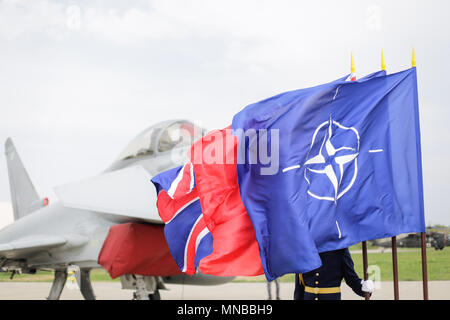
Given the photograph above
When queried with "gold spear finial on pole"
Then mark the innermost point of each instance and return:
(413, 62)
(383, 62)
(352, 63)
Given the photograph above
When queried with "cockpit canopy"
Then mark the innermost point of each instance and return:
(162, 137)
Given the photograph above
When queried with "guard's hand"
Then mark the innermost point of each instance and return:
(367, 285)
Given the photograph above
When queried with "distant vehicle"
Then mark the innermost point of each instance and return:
(435, 239)
(67, 236)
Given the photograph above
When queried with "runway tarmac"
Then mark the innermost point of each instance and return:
(409, 290)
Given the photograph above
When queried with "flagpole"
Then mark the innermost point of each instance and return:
(395, 267)
(394, 238)
(423, 236)
(424, 265)
(365, 263)
(364, 243)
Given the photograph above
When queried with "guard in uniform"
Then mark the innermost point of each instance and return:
(324, 283)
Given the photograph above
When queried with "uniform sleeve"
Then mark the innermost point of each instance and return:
(299, 292)
(350, 276)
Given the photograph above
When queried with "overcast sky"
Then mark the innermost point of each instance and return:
(79, 79)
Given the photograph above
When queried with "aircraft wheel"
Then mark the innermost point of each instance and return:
(155, 296)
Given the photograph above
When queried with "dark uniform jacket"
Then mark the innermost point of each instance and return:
(324, 282)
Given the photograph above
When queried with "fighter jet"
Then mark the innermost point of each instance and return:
(67, 236)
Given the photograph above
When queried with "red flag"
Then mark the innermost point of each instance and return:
(235, 249)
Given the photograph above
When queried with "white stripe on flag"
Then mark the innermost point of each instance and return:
(174, 185)
(187, 242)
(200, 237)
(191, 187)
(291, 168)
(339, 229)
(182, 208)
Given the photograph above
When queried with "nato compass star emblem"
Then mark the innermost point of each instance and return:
(331, 164)
(330, 167)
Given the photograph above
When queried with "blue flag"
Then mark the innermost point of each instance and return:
(179, 207)
(344, 166)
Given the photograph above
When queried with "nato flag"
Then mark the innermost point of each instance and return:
(348, 168)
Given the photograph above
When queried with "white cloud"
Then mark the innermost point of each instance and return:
(129, 26)
(18, 18)
(256, 20)
(80, 78)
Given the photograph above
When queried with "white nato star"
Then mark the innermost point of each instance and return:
(331, 161)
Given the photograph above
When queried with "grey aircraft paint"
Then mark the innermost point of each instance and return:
(65, 233)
